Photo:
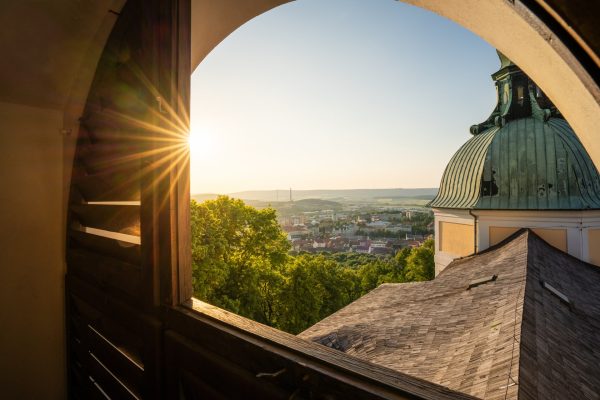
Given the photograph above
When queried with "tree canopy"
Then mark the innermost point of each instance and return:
(241, 263)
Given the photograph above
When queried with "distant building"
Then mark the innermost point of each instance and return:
(391, 217)
(378, 225)
(380, 248)
(319, 244)
(360, 249)
(399, 228)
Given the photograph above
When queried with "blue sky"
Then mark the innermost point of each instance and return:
(337, 94)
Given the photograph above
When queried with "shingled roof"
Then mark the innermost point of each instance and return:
(532, 332)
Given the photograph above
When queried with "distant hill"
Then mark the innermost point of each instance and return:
(204, 196)
(358, 195)
(312, 200)
(295, 207)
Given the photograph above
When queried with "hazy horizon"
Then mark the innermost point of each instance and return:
(286, 190)
(337, 94)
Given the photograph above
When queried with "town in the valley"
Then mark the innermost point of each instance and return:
(378, 222)
(366, 230)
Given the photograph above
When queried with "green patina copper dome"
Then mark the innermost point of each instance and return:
(524, 157)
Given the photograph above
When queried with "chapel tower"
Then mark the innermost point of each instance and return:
(524, 167)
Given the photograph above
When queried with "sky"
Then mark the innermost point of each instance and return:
(337, 94)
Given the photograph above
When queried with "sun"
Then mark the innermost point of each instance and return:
(201, 144)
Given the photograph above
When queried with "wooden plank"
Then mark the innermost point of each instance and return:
(122, 325)
(79, 383)
(106, 123)
(153, 356)
(86, 387)
(109, 185)
(116, 218)
(189, 386)
(259, 348)
(129, 371)
(114, 276)
(123, 251)
(126, 355)
(135, 337)
(111, 156)
(214, 371)
(137, 334)
(108, 381)
(181, 99)
(95, 391)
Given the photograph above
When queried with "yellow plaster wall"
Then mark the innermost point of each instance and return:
(594, 246)
(457, 239)
(499, 233)
(556, 237)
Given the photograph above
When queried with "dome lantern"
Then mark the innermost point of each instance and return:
(517, 97)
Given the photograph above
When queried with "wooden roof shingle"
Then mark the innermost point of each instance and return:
(505, 339)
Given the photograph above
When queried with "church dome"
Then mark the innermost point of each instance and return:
(524, 157)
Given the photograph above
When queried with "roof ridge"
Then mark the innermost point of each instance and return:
(560, 320)
(586, 264)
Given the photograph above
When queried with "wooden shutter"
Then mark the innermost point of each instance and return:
(123, 237)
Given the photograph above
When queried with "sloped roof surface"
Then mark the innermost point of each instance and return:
(509, 338)
(528, 164)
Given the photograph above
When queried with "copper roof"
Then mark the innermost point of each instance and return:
(513, 337)
(525, 156)
(528, 164)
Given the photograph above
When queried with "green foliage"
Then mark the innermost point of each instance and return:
(238, 255)
(316, 287)
(241, 263)
(420, 265)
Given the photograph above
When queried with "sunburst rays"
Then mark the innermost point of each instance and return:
(140, 150)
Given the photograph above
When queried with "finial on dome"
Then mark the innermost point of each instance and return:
(518, 97)
(504, 61)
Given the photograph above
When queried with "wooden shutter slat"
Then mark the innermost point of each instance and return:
(128, 371)
(124, 334)
(81, 385)
(106, 272)
(116, 130)
(118, 184)
(111, 156)
(107, 380)
(127, 252)
(116, 218)
(214, 370)
(189, 384)
(85, 371)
